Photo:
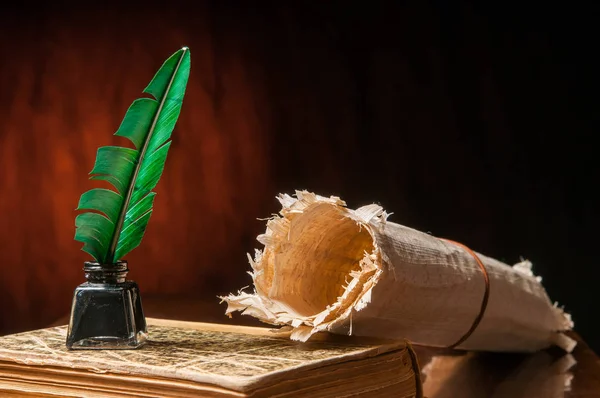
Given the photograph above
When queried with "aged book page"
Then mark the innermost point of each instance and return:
(186, 359)
(325, 267)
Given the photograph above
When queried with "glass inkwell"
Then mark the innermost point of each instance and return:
(106, 312)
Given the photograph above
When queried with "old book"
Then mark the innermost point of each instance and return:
(186, 359)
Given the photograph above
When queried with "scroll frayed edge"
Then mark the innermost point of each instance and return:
(357, 292)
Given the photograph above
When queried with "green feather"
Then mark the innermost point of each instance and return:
(116, 220)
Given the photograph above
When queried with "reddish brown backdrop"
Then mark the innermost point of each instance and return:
(463, 121)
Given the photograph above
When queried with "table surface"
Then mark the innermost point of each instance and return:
(446, 373)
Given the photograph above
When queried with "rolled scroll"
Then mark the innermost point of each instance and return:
(325, 267)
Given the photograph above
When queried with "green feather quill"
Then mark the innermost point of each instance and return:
(116, 220)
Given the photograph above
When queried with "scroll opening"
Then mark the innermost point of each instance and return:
(311, 269)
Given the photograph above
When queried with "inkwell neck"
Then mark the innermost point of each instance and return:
(105, 273)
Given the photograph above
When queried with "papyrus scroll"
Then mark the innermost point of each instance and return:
(325, 267)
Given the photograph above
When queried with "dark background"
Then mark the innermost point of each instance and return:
(473, 123)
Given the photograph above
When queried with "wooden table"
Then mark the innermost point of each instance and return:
(447, 374)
